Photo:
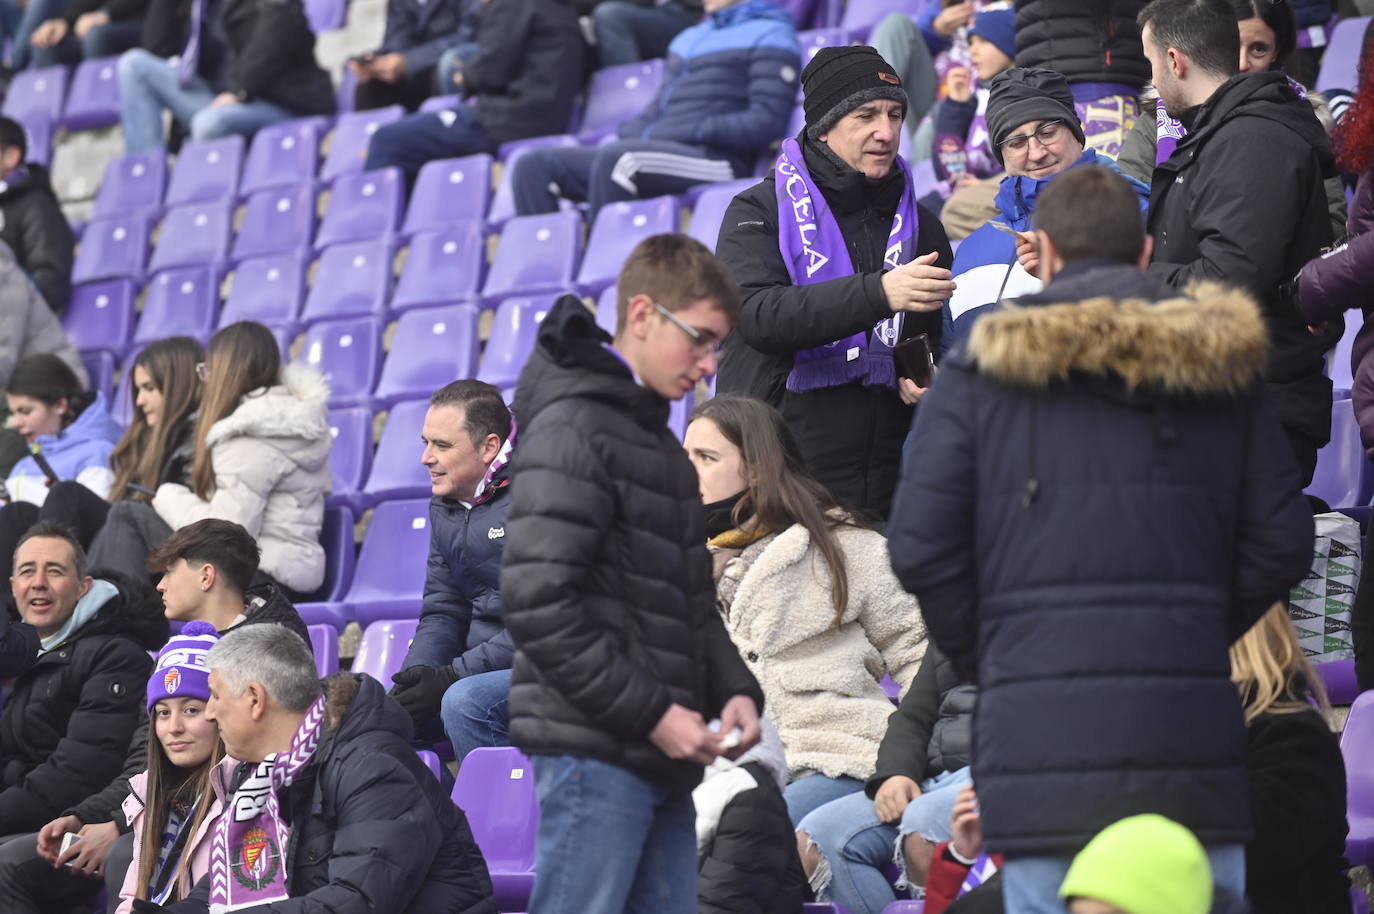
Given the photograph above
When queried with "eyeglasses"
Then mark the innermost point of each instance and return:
(1046, 133)
(701, 345)
(203, 370)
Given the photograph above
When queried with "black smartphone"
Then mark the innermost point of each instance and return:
(915, 360)
(43, 465)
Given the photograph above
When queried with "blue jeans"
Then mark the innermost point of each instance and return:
(474, 712)
(1030, 885)
(856, 846)
(814, 791)
(611, 841)
(628, 33)
(20, 25)
(148, 84)
(419, 138)
(451, 61)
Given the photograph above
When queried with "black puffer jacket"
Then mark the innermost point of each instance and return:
(930, 732)
(1089, 552)
(69, 719)
(851, 435)
(371, 829)
(1241, 200)
(35, 229)
(606, 579)
(750, 865)
(1089, 41)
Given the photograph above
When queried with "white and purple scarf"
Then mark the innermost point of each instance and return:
(248, 858)
(814, 250)
(1168, 130)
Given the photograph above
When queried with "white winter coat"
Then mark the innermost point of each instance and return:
(271, 460)
(821, 682)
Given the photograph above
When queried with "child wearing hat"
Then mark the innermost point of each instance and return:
(1144, 864)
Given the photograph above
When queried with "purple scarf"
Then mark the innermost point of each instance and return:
(1168, 130)
(814, 250)
(980, 872)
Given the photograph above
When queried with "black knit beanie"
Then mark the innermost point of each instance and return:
(1024, 94)
(840, 79)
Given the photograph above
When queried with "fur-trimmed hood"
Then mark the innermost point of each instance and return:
(1210, 342)
(295, 408)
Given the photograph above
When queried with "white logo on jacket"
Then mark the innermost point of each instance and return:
(496, 533)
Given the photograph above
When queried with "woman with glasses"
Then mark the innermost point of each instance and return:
(261, 460)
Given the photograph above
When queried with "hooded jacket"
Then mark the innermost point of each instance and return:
(1209, 222)
(605, 580)
(79, 452)
(851, 435)
(1089, 41)
(32, 224)
(930, 733)
(1105, 504)
(30, 325)
(271, 458)
(69, 718)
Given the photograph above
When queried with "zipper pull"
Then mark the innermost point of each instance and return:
(1032, 490)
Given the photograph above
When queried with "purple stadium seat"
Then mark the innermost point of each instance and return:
(324, 641)
(352, 133)
(679, 412)
(179, 302)
(1339, 678)
(350, 280)
(431, 347)
(512, 338)
(112, 248)
(122, 404)
(618, 94)
(449, 191)
(905, 907)
(193, 233)
(94, 100)
(495, 790)
(618, 228)
(710, 209)
(444, 265)
(336, 536)
(440, 103)
(389, 580)
(814, 40)
(502, 206)
(37, 94)
(351, 456)
(1340, 461)
(605, 310)
(268, 290)
(1341, 61)
(536, 254)
(861, 15)
(101, 315)
(431, 761)
(326, 15)
(890, 688)
(1341, 378)
(132, 184)
(206, 170)
(282, 155)
(276, 221)
(383, 647)
(1357, 745)
(100, 368)
(396, 469)
(348, 353)
(362, 206)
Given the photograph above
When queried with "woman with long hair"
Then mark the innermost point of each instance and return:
(261, 460)
(807, 595)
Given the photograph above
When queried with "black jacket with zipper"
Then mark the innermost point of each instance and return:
(930, 733)
(32, 224)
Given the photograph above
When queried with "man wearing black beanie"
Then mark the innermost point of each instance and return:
(838, 265)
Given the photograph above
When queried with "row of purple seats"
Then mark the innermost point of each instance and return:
(324, 642)
(86, 99)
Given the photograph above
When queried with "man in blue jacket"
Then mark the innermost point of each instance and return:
(459, 663)
(402, 71)
(730, 87)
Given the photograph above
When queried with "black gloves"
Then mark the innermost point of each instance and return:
(420, 689)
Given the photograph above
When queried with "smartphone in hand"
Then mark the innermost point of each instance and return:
(915, 360)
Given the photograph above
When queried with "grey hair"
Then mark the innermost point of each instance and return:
(272, 656)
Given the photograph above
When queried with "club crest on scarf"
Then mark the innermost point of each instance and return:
(257, 861)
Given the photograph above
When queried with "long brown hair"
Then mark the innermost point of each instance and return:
(780, 489)
(1273, 674)
(142, 452)
(243, 357)
(168, 785)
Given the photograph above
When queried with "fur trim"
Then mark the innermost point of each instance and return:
(1211, 342)
(295, 408)
(339, 690)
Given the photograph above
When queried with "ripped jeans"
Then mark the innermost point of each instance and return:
(856, 846)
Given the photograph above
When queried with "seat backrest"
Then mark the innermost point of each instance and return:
(276, 221)
(132, 184)
(324, 641)
(605, 310)
(363, 205)
(1341, 61)
(282, 155)
(100, 368)
(391, 564)
(502, 206)
(1357, 745)
(268, 290)
(100, 315)
(382, 649)
(326, 15)
(179, 302)
(38, 130)
(443, 265)
(709, 212)
(1339, 462)
(814, 40)
(36, 93)
(194, 233)
(336, 536)
(495, 789)
(348, 352)
(1342, 377)
(396, 468)
(351, 455)
(535, 254)
(431, 347)
(112, 248)
(512, 338)
(352, 133)
(618, 228)
(94, 98)
(619, 94)
(206, 170)
(351, 280)
(448, 191)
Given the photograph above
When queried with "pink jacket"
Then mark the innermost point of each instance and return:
(199, 845)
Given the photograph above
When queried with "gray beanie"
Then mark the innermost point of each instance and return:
(1024, 94)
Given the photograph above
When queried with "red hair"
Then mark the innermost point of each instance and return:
(1353, 138)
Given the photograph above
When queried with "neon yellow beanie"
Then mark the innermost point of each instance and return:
(1143, 865)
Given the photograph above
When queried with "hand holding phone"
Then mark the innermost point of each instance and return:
(915, 360)
(68, 840)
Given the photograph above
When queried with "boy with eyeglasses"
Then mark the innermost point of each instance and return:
(622, 658)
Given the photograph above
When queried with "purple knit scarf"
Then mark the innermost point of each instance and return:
(1168, 130)
(814, 250)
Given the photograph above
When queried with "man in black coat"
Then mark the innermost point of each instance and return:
(1241, 199)
(622, 657)
(1098, 503)
(850, 431)
(402, 70)
(31, 220)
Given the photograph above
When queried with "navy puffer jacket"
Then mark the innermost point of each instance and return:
(1089, 41)
(1105, 502)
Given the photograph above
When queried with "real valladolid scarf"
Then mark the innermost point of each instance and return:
(814, 250)
(248, 859)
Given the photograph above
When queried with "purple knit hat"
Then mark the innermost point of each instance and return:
(180, 670)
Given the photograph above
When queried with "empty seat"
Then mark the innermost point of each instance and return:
(275, 221)
(282, 155)
(444, 265)
(324, 642)
(193, 233)
(1357, 745)
(132, 184)
(352, 133)
(383, 647)
(350, 458)
(38, 131)
(512, 339)
(100, 315)
(431, 761)
(449, 191)
(605, 309)
(336, 536)
(350, 280)
(710, 209)
(502, 206)
(396, 469)
(618, 228)
(431, 347)
(268, 290)
(326, 15)
(495, 790)
(179, 302)
(861, 15)
(100, 368)
(348, 353)
(206, 170)
(112, 247)
(94, 101)
(1340, 461)
(618, 94)
(1341, 60)
(389, 579)
(536, 254)
(1342, 379)
(37, 94)
(814, 40)
(363, 206)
